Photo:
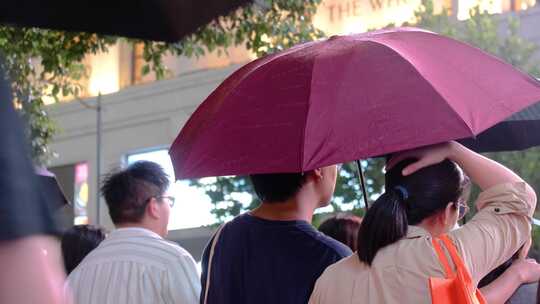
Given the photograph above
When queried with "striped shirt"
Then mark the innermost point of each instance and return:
(135, 265)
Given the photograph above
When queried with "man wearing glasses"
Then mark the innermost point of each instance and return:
(135, 264)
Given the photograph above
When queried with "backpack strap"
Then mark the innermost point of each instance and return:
(442, 257)
(210, 256)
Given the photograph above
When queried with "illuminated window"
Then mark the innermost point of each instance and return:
(356, 16)
(521, 5)
(493, 6)
(445, 4)
(104, 71)
(192, 206)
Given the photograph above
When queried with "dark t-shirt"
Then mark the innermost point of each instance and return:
(261, 261)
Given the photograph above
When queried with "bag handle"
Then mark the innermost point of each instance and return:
(463, 269)
(442, 258)
(453, 252)
(210, 256)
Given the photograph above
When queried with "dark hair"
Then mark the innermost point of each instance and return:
(128, 191)
(77, 242)
(344, 228)
(407, 201)
(277, 187)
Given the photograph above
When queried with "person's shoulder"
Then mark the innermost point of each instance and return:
(145, 246)
(327, 243)
(240, 221)
(342, 272)
(79, 272)
(348, 264)
(174, 257)
(239, 225)
(340, 249)
(173, 248)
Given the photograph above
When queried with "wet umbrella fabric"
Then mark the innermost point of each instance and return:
(347, 98)
(53, 193)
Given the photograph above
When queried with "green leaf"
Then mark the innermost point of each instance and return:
(145, 69)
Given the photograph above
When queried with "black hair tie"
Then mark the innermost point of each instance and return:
(402, 191)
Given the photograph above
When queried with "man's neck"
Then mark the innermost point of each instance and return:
(290, 210)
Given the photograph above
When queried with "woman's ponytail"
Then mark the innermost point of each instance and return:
(408, 201)
(384, 223)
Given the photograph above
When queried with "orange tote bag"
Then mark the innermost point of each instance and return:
(457, 287)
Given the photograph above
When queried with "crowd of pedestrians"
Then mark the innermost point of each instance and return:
(408, 248)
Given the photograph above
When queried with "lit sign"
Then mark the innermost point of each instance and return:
(354, 16)
(336, 17)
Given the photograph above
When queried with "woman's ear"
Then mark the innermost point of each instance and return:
(449, 215)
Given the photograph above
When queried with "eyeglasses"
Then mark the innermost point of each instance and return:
(463, 209)
(171, 199)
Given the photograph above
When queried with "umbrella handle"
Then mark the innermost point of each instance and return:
(362, 184)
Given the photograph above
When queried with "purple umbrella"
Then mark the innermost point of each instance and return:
(348, 98)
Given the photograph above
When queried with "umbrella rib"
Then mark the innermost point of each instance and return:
(303, 141)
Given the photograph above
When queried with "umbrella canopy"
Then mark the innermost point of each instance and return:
(348, 98)
(162, 20)
(23, 209)
(520, 131)
(51, 190)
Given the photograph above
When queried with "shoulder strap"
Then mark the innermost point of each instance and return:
(467, 278)
(210, 256)
(442, 257)
(453, 252)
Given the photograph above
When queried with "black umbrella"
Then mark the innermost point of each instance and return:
(161, 20)
(51, 189)
(23, 208)
(519, 132)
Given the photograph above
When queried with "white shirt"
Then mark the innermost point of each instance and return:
(135, 265)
